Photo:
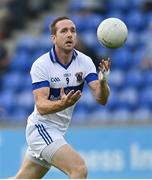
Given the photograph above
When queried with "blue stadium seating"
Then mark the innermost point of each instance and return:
(89, 38)
(19, 115)
(123, 5)
(134, 78)
(27, 44)
(142, 113)
(21, 62)
(116, 14)
(128, 98)
(99, 115)
(145, 99)
(131, 87)
(13, 81)
(7, 103)
(148, 78)
(46, 23)
(133, 39)
(134, 20)
(93, 20)
(121, 58)
(113, 99)
(116, 78)
(121, 115)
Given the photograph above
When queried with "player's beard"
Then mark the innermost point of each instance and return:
(69, 47)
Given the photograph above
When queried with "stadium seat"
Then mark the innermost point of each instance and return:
(27, 44)
(19, 115)
(76, 6)
(13, 81)
(148, 78)
(116, 14)
(27, 86)
(134, 20)
(142, 114)
(100, 115)
(79, 22)
(79, 6)
(137, 57)
(128, 98)
(123, 5)
(46, 22)
(25, 100)
(121, 115)
(90, 38)
(121, 59)
(21, 62)
(116, 79)
(137, 4)
(113, 99)
(44, 43)
(134, 78)
(100, 50)
(7, 101)
(79, 114)
(133, 40)
(148, 18)
(93, 20)
(87, 100)
(145, 95)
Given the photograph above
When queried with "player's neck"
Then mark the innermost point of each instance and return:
(63, 57)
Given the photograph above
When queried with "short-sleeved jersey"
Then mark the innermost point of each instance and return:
(47, 71)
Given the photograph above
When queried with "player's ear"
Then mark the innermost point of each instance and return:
(53, 38)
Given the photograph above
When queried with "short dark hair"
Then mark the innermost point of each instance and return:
(52, 26)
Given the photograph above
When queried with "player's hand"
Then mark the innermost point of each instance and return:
(104, 69)
(69, 99)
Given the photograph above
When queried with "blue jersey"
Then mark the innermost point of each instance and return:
(47, 71)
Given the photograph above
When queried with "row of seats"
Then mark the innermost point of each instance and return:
(124, 58)
(32, 45)
(129, 99)
(18, 81)
(133, 19)
(109, 5)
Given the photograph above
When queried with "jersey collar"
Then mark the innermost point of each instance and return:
(54, 58)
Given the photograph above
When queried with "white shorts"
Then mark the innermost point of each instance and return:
(43, 142)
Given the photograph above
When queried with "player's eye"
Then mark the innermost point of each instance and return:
(63, 30)
(73, 30)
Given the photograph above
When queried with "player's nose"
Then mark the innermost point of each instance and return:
(69, 33)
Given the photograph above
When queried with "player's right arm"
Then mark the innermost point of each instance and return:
(41, 90)
(46, 106)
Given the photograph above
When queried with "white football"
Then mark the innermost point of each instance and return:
(112, 33)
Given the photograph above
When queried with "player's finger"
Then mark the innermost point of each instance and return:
(105, 63)
(69, 95)
(109, 63)
(101, 66)
(76, 95)
(62, 91)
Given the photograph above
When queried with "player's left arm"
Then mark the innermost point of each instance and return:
(100, 88)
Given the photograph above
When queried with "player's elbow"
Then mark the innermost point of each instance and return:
(40, 109)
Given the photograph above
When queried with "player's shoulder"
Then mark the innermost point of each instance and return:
(41, 63)
(42, 60)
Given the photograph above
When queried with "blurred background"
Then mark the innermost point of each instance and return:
(121, 131)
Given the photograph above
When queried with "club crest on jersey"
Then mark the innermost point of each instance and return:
(79, 76)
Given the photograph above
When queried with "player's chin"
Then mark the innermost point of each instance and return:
(69, 47)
